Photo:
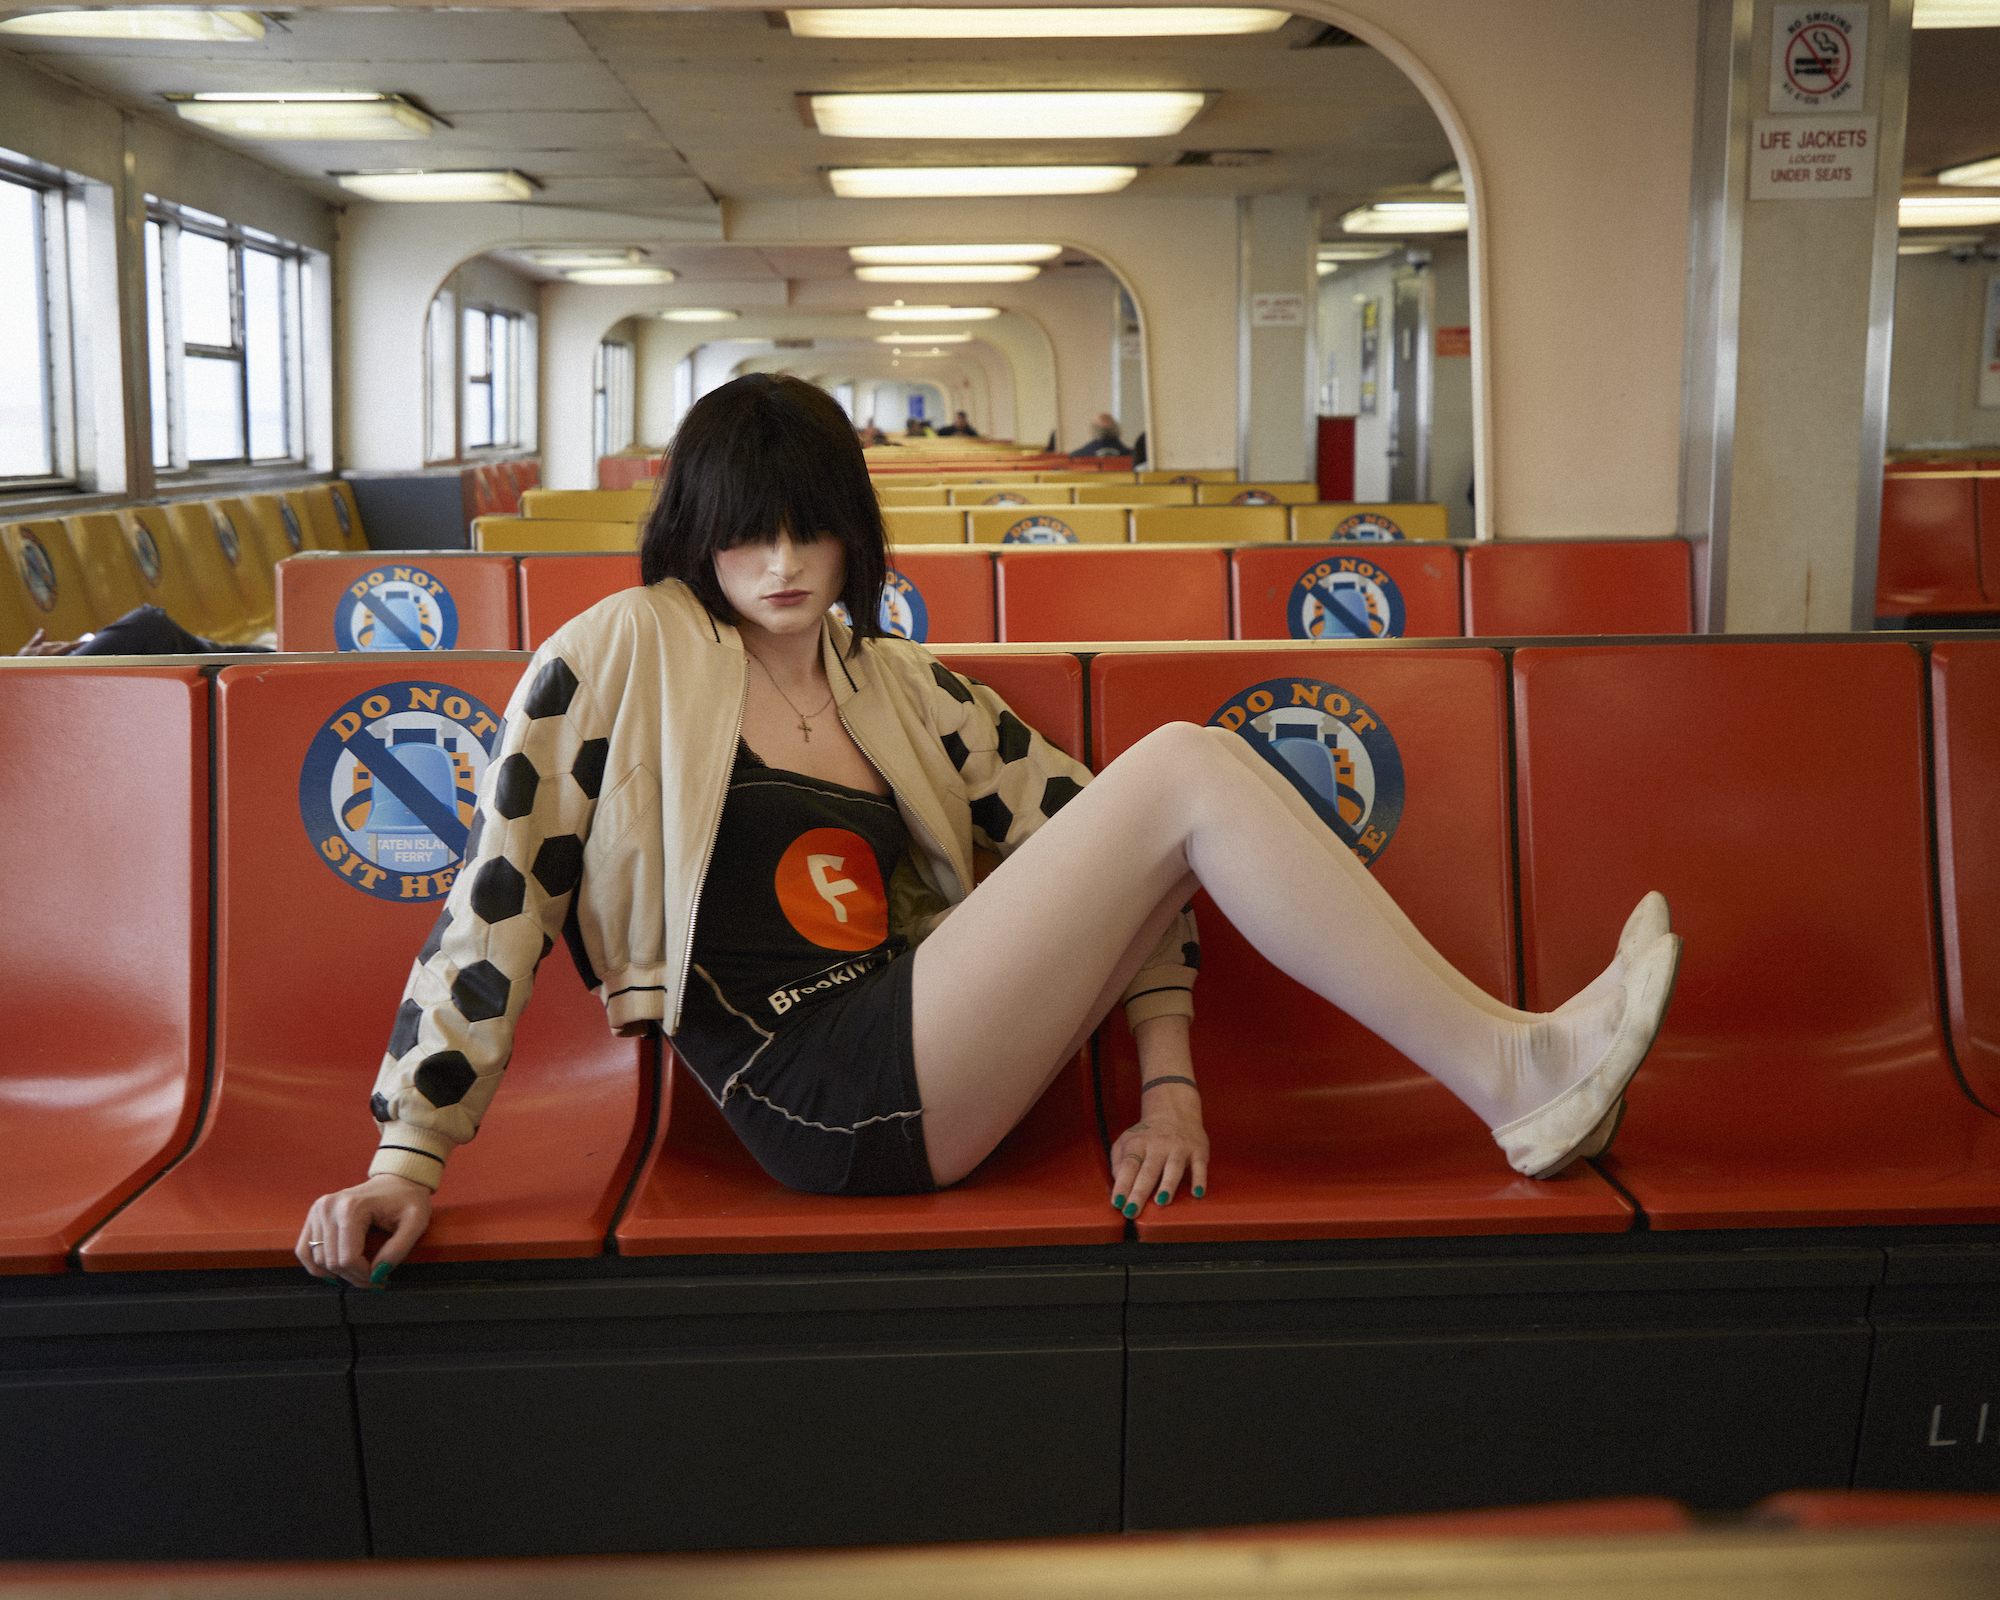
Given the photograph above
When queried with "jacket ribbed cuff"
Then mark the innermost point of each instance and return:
(413, 1153)
(1165, 996)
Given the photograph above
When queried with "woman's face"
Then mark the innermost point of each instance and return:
(782, 587)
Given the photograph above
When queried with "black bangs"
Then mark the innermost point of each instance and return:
(759, 454)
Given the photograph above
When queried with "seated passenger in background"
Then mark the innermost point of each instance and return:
(1105, 441)
(917, 428)
(870, 435)
(796, 909)
(142, 631)
(960, 426)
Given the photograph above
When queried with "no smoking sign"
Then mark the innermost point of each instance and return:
(1817, 56)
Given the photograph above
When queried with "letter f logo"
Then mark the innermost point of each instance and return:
(830, 892)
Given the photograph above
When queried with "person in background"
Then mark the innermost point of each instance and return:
(142, 631)
(1104, 441)
(960, 425)
(917, 429)
(871, 436)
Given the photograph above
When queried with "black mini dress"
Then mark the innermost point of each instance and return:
(796, 1017)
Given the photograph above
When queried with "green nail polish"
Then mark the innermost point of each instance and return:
(1118, 1202)
(1199, 1191)
(1132, 1210)
(379, 1278)
(1164, 1198)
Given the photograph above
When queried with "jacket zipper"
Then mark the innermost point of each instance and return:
(708, 855)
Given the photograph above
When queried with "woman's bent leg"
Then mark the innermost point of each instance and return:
(1012, 975)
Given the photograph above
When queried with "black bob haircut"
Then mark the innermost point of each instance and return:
(761, 453)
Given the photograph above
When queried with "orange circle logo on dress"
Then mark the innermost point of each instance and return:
(830, 890)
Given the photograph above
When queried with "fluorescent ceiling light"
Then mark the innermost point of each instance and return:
(932, 313)
(198, 27)
(1449, 179)
(1948, 211)
(1053, 22)
(1011, 114)
(1930, 244)
(1408, 216)
(1356, 251)
(974, 274)
(437, 186)
(923, 338)
(1987, 171)
(582, 256)
(936, 183)
(1956, 14)
(948, 255)
(1326, 268)
(306, 115)
(699, 314)
(615, 277)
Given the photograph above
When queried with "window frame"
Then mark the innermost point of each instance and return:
(58, 268)
(165, 223)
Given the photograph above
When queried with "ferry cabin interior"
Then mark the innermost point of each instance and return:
(1696, 546)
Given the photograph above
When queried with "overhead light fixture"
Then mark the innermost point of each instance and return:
(1357, 251)
(619, 277)
(950, 255)
(306, 114)
(1326, 269)
(1947, 211)
(1972, 172)
(1409, 216)
(943, 183)
(1931, 244)
(193, 27)
(699, 314)
(1449, 179)
(1053, 22)
(563, 256)
(436, 186)
(1008, 114)
(923, 338)
(970, 274)
(902, 313)
(1956, 14)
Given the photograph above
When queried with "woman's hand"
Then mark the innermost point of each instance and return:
(1165, 1144)
(333, 1243)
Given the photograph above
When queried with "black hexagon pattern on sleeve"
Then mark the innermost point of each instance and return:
(404, 1034)
(588, 767)
(559, 863)
(480, 992)
(499, 891)
(444, 1077)
(1058, 792)
(514, 789)
(993, 815)
(1014, 737)
(554, 688)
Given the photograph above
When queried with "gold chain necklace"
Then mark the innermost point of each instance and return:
(805, 722)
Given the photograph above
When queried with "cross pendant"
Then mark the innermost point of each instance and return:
(806, 728)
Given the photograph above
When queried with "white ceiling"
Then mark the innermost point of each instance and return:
(652, 112)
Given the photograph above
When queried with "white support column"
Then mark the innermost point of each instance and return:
(1277, 293)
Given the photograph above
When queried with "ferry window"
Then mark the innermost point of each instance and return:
(611, 415)
(492, 343)
(226, 317)
(36, 444)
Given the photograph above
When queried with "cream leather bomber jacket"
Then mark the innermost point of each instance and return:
(606, 789)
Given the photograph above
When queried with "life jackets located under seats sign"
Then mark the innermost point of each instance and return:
(389, 785)
(902, 611)
(395, 608)
(1345, 597)
(1332, 748)
(1040, 530)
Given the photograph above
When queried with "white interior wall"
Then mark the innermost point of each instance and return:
(1451, 386)
(1940, 330)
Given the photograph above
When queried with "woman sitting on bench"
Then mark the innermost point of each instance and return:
(754, 824)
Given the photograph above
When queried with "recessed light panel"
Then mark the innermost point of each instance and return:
(1956, 14)
(619, 277)
(941, 183)
(196, 27)
(971, 274)
(1973, 172)
(949, 255)
(436, 186)
(923, 338)
(1011, 114)
(698, 314)
(1051, 22)
(1356, 251)
(355, 114)
(560, 257)
(1948, 211)
(1408, 216)
(932, 313)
